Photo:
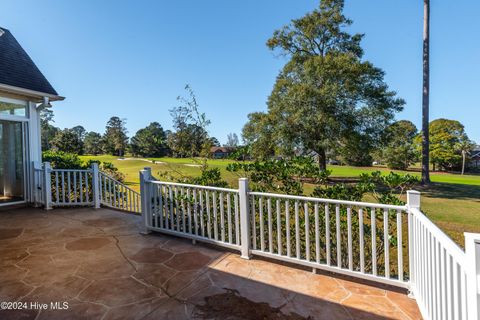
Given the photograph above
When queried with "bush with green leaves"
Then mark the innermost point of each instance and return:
(280, 175)
(62, 160)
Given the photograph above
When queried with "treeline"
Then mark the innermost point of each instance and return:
(189, 138)
(398, 146)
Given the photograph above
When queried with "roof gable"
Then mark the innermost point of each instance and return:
(17, 68)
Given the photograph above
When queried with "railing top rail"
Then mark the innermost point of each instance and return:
(192, 186)
(332, 201)
(452, 248)
(115, 180)
(71, 170)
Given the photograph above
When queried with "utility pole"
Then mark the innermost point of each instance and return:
(426, 93)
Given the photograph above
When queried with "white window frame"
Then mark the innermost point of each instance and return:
(13, 117)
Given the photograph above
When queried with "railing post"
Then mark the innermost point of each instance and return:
(413, 202)
(472, 255)
(145, 177)
(37, 183)
(96, 185)
(413, 199)
(244, 217)
(47, 185)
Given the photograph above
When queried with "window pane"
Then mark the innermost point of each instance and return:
(10, 108)
(11, 162)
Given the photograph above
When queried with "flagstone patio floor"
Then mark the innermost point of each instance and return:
(103, 268)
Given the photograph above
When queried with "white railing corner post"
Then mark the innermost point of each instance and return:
(472, 255)
(47, 185)
(145, 177)
(413, 199)
(244, 217)
(37, 183)
(413, 202)
(96, 185)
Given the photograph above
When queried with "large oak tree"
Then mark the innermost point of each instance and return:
(326, 93)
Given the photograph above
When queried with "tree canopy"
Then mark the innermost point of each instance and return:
(67, 141)
(400, 151)
(115, 140)
(445, 138)
(325, 94)
(150, 141)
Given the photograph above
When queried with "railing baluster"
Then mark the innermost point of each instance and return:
(75, 187)
(156, 209)
(287, 227)
(373, 226)
(327, 234)
(215, 216)
(57, 194)
(399, 246)
(229, 218)
(297, 230)
(222, 217)
(87, 189)
(339, 246)
(161, 211)
(177, 209)
(270, 228)
(443, 281)
(349, 239)
(254, 227)
(189, 212)
(449, 288)
(386, 242)
(262, 232)
(69, 196)
(182, 203)
(463, 294)
(307, 231)
(279, 228)
(195, 211)
(209, 221)
(317, 234)
(63, 187)
(456, 299)
(237, 222)
(202, 224)
(361, 240)
(172, 212)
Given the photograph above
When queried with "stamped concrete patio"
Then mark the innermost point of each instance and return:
(97, 261)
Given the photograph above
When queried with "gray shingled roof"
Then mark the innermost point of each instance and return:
(17, 69)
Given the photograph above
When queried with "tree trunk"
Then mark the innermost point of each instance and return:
(426, 92)
(322, 160)
(463, 162)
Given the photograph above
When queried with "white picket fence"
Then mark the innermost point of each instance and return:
(395, 245)
(86, 187)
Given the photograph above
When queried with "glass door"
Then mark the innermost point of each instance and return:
(12, 162)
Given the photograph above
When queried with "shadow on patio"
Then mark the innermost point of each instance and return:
(97, 261)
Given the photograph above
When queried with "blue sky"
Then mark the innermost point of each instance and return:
(132, 58)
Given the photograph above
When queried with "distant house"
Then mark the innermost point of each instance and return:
(24, 92)
(220, 152)
(475, 158)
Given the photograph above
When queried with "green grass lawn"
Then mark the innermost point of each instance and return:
(452, 201)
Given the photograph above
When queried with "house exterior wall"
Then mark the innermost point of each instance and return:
(32, 150)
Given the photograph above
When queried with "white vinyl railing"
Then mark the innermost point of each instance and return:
(71, 187)
(81, 187)
(116, 195)
(355, 238)
(395, 245)
(197, 212)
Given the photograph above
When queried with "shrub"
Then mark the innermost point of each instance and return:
(62, 160)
